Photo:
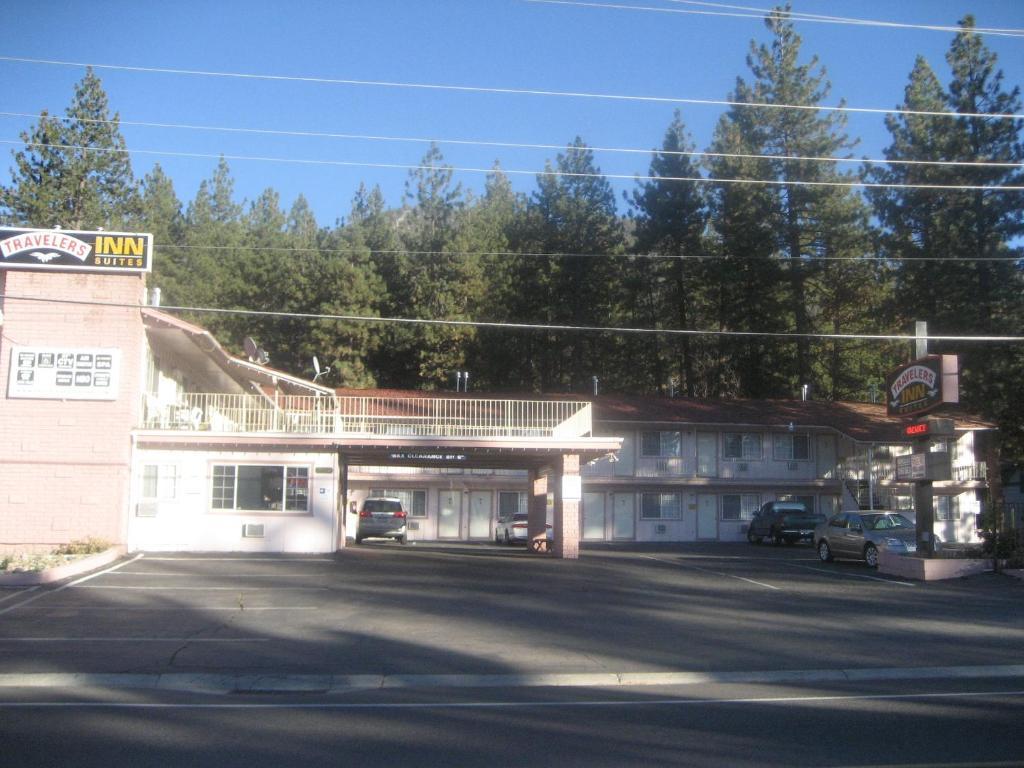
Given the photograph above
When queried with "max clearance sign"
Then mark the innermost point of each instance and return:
(58, 249)
(922, 385)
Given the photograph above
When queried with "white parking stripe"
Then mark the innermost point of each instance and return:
(271, 561)
(202, 589)
(714, 573)
(179, 608)
(547, 704)
(19, 592)
(69, 584)
(189, 640)
(843, 574)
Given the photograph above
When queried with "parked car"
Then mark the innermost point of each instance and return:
(783, 521)
(861, 535)
(382, 517)
(512, 527)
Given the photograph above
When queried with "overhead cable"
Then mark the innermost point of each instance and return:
(519, 145)
(524, 326)
(504, 91)
(760, 14)
(561, 255)
(516, 172)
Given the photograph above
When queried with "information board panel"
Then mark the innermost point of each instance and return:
(64, 373)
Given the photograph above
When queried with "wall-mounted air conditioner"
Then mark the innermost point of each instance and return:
(147, 508)
(252, 531)
(743, 467)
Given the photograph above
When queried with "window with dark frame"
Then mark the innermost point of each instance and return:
(661, 506)
(260, 488)
(744, 446)
(661, 444)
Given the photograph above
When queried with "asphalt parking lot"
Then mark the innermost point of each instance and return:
(383, 612)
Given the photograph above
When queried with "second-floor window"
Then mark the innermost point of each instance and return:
(661, 444)
(792, 447)
(745, 446)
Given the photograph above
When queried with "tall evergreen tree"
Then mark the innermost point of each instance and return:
(74, 172)
(160, 214)
(671, 217)
(952, 248)
(805, 206)
(573, 218)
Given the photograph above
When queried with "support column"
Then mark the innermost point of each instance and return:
(568, 494)
(536, 525)
(341, 503)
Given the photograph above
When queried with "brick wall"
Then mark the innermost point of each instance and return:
(65, 464)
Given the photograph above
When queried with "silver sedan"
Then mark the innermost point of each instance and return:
(860, 535)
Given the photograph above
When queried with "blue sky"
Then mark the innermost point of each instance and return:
(489, 43)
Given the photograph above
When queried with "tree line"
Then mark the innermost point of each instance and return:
(798, 252)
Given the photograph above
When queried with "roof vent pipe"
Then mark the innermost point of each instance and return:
(154, 297)
(594, 379)
(805, 392)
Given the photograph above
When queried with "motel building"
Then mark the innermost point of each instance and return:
(123, 422)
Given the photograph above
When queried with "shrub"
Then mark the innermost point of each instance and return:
(89, 546)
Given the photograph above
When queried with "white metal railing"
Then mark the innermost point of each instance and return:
(371, 415)
(884, 471)
(965, 472)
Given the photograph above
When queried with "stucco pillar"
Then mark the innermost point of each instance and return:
(536, 525)
(341, 504)
(568, 493)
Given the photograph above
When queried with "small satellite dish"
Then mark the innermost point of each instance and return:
(252, 351)
(262, 357)
(318, 371)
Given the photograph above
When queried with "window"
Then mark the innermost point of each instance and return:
(666, 444)
(946, 509)
(788, 447)
(742, 445)
(739, 506)
(807, 501)
(159, 481)
(414, 502)
(511, 503)
(260, 487)
(660, 506)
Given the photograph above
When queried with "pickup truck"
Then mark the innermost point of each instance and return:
(783, 521)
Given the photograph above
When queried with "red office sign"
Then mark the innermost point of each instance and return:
(915, 388)
(57, 249)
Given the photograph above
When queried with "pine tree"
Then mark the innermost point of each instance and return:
(671, 217)
(75, 172)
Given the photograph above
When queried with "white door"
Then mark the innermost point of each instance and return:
(707, 517)
(623, 521)
(449, 510)
(707, 454)
(593, 517)
(480, 515)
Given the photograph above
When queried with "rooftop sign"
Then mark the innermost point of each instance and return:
(57, 249)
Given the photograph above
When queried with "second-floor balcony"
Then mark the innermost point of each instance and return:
(370, 416)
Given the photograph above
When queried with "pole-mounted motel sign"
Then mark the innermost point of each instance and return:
(58, 249)
(922, 385)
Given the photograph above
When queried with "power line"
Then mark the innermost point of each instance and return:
(761, 13)
(521, 145)
(504, 91)
(563, 255)
(519, 172)
(524, 326)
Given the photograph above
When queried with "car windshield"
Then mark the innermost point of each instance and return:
(885, 522)
(798, 517)
(382, 505)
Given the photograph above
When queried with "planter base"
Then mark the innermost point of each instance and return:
(50, 575)
(924, 569)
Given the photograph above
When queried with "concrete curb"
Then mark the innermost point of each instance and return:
(337, 684)
(61, 572)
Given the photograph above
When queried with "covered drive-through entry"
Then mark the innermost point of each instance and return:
(308, 447)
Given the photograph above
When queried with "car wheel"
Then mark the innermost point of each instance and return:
(871, 555)
(359, 539)
(752, 537)
(508, 539)
(824, 552)
(776, 538)
(497, 536)
(402, 539)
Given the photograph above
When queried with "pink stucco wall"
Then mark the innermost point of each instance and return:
(65, 464)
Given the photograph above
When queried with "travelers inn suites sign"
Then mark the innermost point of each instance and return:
(60, 249)
(922, 385)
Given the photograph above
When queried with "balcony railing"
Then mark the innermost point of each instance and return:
(397, 416)
(856, 468)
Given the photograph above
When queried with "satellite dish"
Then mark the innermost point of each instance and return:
(318, 371)
(252, 351)
(262, 357)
